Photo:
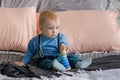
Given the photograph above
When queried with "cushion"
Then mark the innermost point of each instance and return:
(17, 27)
(90, 30)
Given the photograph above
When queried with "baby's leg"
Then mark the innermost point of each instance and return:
(63, 60)
(77, 62)
(73, 59)
(46, 64)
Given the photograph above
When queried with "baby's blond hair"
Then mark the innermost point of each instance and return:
(48, 16)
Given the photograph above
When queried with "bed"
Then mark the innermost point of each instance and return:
(93, 72)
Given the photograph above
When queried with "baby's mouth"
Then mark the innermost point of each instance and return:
(53, 35)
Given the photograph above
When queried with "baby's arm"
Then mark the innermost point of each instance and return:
(63, 43)
(28, 55)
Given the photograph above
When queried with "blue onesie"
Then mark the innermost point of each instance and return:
(50, 49)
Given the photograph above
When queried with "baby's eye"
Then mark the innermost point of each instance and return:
(57, 27)
(49, 28)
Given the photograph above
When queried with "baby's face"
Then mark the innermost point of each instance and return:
(50, 29)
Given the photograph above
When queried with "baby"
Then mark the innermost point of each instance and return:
(50, 47)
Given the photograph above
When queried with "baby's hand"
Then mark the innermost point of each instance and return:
(63, 49)
(20, 63)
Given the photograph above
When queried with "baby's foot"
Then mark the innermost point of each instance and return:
(84, 63)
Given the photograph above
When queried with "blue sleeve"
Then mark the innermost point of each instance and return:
(63, 39)
(31, 50)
